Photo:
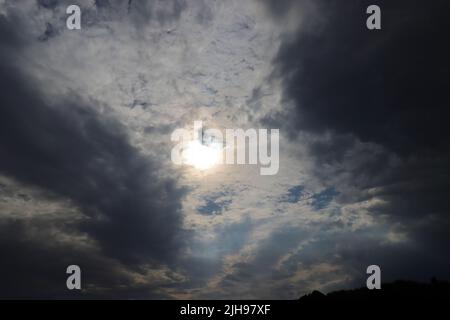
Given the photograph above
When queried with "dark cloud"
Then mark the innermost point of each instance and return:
(11, 34)
(77, 154)
(72, 152)
(386, 86)
(373, 108)
(34, 264)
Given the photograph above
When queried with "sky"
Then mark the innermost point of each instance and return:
(86, 118)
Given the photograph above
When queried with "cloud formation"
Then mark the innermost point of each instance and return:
(72, 152)
(85, 124)
(373, 108)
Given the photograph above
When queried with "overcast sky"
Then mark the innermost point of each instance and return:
(86, 118)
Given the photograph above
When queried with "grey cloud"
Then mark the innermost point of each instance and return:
(138, 13)
(48, 4)
(72, 152)
(386, 87)
(373, 106)
(332, 256)
(77, 155)
(34, 263)
(162, 11)
(370, 108)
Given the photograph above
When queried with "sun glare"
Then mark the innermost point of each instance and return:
(202, 156)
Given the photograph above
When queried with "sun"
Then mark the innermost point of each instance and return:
(202, 156)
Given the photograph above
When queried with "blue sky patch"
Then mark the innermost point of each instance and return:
(322, 199)
(214, 205)
(294, 194)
